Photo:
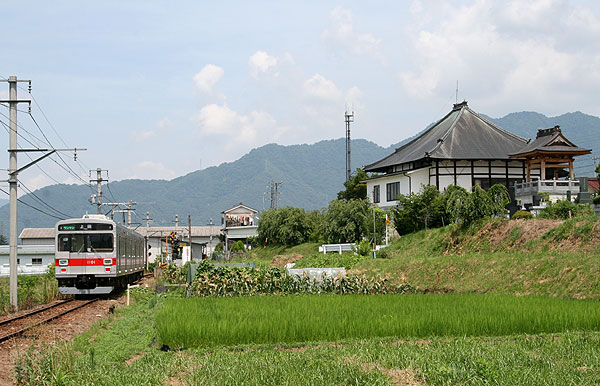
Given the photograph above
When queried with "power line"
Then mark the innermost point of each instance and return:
(43, 202)
(33, 207)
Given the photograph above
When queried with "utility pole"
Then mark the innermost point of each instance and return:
(148, 219)
(374, 230)
(13, 173)
(348, 118)
(190, 235)
(128, 209)
(98, 182)
(176, 221)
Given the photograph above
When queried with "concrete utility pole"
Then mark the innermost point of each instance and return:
(190, 235)
(176, 221)
(98, 182)
(13, 173)
(348, 118)
(148, 219)
(128, 209)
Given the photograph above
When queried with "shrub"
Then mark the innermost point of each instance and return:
(565, 209)
(522, 215)
(349, 221)
(362, 248)
(596, 200)
(238, 246)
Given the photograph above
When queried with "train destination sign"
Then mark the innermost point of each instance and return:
(85, 227)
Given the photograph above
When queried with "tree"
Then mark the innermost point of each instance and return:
(346, 221)
(355, 189)
(417, 211)
(285, 226)
(467, 208)
(3, 240)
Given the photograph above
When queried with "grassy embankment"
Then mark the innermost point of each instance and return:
(124, 350)
(523, 257)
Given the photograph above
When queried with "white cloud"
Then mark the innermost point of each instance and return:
(261, 62)
(319, 87)
(162, 126)
(514, 54)
(250, 129)
(341, 31)
(206, 79)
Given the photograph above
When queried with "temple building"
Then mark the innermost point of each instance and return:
(465, 149)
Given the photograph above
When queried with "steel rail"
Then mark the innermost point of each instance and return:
(6, 321)
(21, 331)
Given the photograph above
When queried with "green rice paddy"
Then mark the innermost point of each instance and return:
(205, 322)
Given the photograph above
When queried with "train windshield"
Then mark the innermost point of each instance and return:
(77, 243)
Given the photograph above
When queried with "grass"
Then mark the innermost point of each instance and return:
(320, 260)
(211, 322)
(32, 290)
(122, 350)
(268, 253)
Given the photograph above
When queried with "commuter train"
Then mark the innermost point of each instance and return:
(95, 255)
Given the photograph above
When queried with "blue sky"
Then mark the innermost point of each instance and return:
(160, 89)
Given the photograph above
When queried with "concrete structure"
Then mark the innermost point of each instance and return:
(37, 236)
(239, 223)
(462, 149)
(31, 259)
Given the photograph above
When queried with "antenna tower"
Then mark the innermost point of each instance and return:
(348, 118)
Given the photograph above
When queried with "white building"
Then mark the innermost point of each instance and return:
(462, 149)
(239, 223)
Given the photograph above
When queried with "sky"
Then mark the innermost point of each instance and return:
(156, 90)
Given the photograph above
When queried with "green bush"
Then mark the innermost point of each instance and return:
(349, 221)
(565, 209)
(362, 248)
(596, 200)
(238, 246)
(522, 215)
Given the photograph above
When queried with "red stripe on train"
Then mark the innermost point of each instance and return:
(85, 262)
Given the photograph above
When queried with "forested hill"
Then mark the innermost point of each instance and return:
(311, 176)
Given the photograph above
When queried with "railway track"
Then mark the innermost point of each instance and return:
(17, 325)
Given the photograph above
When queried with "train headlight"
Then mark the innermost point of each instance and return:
(63, 262)
(108, 261)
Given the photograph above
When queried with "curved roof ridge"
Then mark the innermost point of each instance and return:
(496, 127)
(440, 141)
(430, 129)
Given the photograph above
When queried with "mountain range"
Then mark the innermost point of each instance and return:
(310, 176)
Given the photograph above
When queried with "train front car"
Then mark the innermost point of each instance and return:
(95, 255)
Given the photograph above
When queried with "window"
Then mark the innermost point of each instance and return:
(36, 261)
(85, 243)
(376, 194)
(392, 191)
(101, 242)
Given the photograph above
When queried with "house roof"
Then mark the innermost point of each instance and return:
(550, 141)
(461, 134)
(593, 183)
(236, 209)
(37, 233)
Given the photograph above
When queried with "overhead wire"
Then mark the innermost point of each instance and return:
(33, 207)
(44, 202)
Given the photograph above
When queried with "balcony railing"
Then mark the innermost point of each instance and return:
(550, 186)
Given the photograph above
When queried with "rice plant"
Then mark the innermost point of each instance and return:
(201, 322)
